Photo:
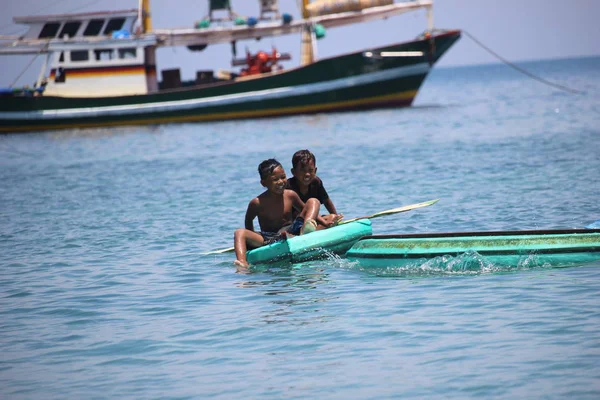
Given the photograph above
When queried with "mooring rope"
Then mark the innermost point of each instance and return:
(521, 70)
(25, 69)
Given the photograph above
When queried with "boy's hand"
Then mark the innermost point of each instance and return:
(337, 218)
(323, 221)
(330, 220)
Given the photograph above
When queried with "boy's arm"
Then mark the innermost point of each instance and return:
(329, 206)
(334, 217)
(297, 202)
(324, 198)
(251, 213)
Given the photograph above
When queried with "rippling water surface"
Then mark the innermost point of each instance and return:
(104, 292)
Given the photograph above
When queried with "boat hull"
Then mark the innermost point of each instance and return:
(502, 248)
(349, 82)
(336, 240)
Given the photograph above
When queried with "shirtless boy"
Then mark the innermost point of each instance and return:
(307, 184)
(274, 211)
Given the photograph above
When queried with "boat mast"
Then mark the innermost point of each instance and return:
(149, 51)
(144, 16)
(430, 17)
(307, 51)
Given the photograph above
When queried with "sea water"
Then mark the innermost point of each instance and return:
(104, 292)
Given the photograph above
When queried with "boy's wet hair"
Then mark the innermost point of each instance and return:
(303, 157)
(267, 167)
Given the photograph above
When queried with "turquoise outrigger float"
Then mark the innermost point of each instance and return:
(503, 248)
(336, 240)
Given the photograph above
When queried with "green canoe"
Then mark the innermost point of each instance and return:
(503, 248)
(314, 245)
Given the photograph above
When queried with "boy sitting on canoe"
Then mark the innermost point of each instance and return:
(307, 185)
(274, 211)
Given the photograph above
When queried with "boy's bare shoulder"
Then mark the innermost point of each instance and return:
(263, 197)
(255, 202)
(290, 193)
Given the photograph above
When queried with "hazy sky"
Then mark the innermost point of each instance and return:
(516, 29)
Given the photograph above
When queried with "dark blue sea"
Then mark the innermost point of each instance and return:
(104, 292)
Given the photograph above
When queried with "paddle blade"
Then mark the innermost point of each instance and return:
(221, 251)
(594, 225)
(405, 208)
(394, 211)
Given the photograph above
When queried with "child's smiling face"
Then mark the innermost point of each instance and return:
(276, 181)
(305, 173)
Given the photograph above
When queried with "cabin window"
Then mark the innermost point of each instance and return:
(70, 29)
(114, 24)
(79, 55)
(49, 30)
(103, 55)
(94, 27)
(61, 59)
(128, 53)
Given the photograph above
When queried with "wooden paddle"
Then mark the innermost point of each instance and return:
(392, 211)
(376, 215)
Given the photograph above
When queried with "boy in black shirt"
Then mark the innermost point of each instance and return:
(307, 184)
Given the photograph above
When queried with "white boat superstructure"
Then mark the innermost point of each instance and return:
(100, 54)
(34, 42)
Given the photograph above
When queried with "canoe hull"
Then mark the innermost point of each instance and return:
(336, 240)
(502, 248)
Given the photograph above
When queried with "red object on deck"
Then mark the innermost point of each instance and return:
(262, 62)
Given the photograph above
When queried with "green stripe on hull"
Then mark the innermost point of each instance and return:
(273, 112)
(402, 90)
(370, 96)
(556, 248)
(314, 245)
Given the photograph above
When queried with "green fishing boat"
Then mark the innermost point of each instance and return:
(336, 240)
(503, 248)
(101, 68)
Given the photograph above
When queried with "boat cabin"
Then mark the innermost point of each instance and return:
(93, 24)
(94, 54)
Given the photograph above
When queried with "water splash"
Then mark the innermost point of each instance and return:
(469, 263)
